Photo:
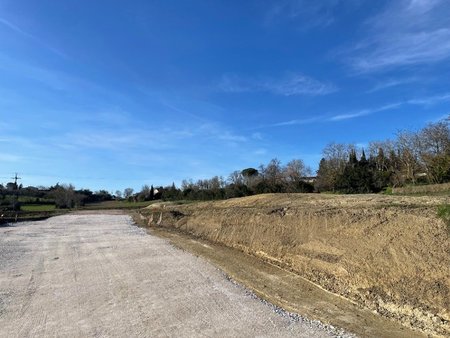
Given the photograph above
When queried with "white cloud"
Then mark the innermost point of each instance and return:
(426, 101)
(407, 32)
(365, 112)
(391, 83)
(260, 151)
(214, 131)
(299, 84)
(297, 122)
(290, 85)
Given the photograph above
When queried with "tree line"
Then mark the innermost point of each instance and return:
(413, 157)
(62, 196)
(421, 157)
(271, 178)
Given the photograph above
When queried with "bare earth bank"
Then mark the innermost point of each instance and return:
(388, 254)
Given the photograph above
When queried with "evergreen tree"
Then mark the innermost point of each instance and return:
(152, 193)
(324, 180)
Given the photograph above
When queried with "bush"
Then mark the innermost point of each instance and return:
(388, 191)
(444, 214)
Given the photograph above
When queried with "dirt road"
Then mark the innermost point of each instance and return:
(99, 275)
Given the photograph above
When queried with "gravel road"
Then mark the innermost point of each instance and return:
(98, 275)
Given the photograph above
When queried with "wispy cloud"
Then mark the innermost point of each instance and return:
(12, 26)
(407, 32)
(15, 28)
(324, 118)
(260, 152)
(289, 85)
(365, 112)
(214, 131)
(257, 136)
(4, 157)
(51, 78)
(297, 122)
(391, 83)
(426, 101)
(308, 14)
(182, 111)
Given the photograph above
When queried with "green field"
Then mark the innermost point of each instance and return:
(116, 205)
(37, 207)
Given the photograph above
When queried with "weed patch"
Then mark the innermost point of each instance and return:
(444, 214)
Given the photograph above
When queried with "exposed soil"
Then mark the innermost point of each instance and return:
(98, 275)
(388, 254)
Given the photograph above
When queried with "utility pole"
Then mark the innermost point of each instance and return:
(15, 178)
(16, 194)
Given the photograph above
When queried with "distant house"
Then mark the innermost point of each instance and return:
(309, 179)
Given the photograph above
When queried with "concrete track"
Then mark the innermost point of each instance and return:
(98, 275)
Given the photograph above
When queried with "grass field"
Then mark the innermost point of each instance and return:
(37, 207)
(117, 205)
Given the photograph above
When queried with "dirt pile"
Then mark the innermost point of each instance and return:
(389, 254)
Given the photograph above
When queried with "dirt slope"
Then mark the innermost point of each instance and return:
(99, 275)
(389, 254)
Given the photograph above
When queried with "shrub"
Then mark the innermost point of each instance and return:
(444, 214)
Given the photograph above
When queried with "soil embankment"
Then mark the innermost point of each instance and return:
(388, 254)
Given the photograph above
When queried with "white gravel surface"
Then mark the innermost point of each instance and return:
(101, 276)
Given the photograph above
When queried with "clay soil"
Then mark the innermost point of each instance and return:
(385, 255)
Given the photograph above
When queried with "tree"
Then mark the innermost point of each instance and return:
(236, 178)
(434, 141)
(294, 174)
(128, 192)
(249, 176)
(273, 175)
(407, 144)
(171, 193)
(332, 166)
(65, 196)
(296, 170)
(379, 165)
(325, 177)
(357, 176)
(152, 193)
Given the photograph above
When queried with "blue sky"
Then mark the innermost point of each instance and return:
(114, 94)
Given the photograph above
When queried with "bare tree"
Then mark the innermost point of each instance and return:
(295, 171)
(408, 147)
(434, 152)
(236, 178)
(128, 192)
(274, 172)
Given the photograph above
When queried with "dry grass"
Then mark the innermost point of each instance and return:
(430, 189)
